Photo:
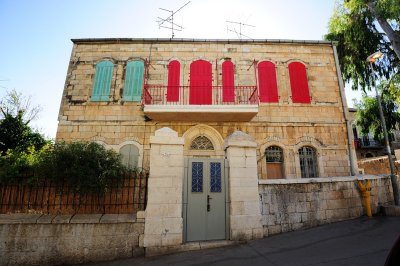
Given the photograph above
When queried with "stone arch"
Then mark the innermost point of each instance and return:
(210, 133)
(313, 143)
(135, 143)
(274, 141)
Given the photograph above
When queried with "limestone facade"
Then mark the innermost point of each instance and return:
(290, 126)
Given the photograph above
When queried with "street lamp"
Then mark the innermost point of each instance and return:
(371, 59)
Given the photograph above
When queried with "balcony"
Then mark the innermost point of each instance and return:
(206, 104)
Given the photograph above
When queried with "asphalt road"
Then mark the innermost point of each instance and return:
(361, 241)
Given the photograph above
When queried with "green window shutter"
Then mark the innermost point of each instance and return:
(133, 81)
(102, 81)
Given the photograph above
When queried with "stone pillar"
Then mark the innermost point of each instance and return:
(245, 214)
(163, 215)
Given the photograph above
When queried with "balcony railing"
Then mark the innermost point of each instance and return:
(219, 95)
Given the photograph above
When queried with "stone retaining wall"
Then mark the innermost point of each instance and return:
(35, 239)
(378, 165)
(288, 205)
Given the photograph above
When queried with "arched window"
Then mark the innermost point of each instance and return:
(228, 82)
(308, 162)
(102, 81)
(274, 160)
(202, 143)
(173, 81)
(200, 82)
(299, 83)
(130, 156)
(133, 81)
(267, 82)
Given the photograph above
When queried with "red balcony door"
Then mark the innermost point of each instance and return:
(228, 82)
(200, 82)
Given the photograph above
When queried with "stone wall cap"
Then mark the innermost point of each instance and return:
(29, 218)
(85, 218)
(166, 131)
(239, 139)
(166, 140)
(319, 179)
(19, 218)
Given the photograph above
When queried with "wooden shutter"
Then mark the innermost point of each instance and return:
(228, 82)
(173, 81)
(133, 81)
(200, 82)
(268, 87)
(129, 155)
(102, 81)
(299, 83)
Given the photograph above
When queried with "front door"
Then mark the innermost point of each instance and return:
(205, 208)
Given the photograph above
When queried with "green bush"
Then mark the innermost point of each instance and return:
(86, 166)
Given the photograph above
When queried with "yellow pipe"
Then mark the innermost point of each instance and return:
(365, 193)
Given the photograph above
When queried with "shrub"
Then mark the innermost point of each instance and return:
(86, 166)
(18, 165)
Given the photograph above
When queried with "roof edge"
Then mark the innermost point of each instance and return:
(153, 40)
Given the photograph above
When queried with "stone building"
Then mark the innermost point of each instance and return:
(366, 146)
(218, 114)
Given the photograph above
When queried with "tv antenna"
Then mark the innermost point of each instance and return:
(169, 21)
(238, 34)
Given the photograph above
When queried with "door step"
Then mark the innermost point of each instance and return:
(191, 246)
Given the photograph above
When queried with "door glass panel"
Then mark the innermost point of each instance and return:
(197, 177)
(215, 177)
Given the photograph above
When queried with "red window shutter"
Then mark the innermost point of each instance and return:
(173, 81)
(200, 82)
(299, 83)
(228, 82)
(268, 87)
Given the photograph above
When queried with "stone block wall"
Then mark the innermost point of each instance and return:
(287, 124)
(288, 205)
(35, 239)
(378, 165)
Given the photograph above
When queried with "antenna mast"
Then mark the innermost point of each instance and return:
(170, 21)
(239, 34)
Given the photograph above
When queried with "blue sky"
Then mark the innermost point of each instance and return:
(35, 44)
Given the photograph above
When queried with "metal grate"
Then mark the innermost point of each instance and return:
(202, 143)
(215, 174)
(308, 162)
(274, 154)
(197, 177)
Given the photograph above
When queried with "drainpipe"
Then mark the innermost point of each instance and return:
(345, 111)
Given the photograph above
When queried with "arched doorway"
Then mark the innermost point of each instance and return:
(205, 212)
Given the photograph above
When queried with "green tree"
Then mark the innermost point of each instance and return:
(362, 27)
(16, 113)
(368, 118)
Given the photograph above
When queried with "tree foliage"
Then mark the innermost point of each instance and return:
(16, 135)
(368, 118)
(15, 132)
(14, 104)
(362, 27)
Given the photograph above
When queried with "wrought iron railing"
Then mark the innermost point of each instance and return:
(180, 95)
(126, 195)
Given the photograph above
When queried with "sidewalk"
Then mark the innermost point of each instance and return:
(361, 241)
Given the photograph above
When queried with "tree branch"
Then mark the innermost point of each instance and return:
(392, 35)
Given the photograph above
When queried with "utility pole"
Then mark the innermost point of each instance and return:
(371, 59)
